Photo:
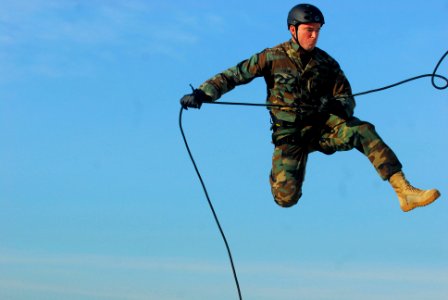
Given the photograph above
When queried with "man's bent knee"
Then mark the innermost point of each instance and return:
(286, 192)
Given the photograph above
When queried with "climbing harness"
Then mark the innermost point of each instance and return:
(433, 77)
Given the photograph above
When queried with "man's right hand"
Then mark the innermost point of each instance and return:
(319, 109)
(194, 99)
(324, 106)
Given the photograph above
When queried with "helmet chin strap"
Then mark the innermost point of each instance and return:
(296, 36)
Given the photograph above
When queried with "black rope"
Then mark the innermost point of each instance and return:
(210, 204)
(433, 76)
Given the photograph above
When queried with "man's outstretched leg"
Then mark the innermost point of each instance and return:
(361, 135)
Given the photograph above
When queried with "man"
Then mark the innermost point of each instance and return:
(311, 107)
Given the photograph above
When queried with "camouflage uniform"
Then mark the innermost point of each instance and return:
(299, 79)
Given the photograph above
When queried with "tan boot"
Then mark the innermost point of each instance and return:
(409, 196)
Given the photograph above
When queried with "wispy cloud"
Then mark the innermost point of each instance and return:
(113, 262)
(100, 277)
(53, 38)
(35, 289)
(262, 281)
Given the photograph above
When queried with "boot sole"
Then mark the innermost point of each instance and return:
(428, 201)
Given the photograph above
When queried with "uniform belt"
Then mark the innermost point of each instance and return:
(277, 123)
(283, 124)
(289, 139)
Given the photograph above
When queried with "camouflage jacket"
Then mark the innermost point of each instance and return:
(293, 77)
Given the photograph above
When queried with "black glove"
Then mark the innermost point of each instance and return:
(335, 107)
(317, 110)
(194, 99)
(323, 106)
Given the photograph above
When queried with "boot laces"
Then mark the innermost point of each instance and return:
(408, 187)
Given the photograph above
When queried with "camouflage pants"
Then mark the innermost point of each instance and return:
(289, 159)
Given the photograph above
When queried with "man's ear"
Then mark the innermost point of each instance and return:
(292, 29)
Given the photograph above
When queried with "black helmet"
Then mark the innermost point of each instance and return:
(305, 13)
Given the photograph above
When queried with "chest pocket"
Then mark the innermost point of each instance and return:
(285, 80)
(285, 86)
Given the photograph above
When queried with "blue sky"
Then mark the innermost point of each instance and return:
(98, 199)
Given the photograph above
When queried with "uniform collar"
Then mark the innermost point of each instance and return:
(298, 48)
(294, 45)
(302, 58)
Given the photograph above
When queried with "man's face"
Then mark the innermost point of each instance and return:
(307, 35)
